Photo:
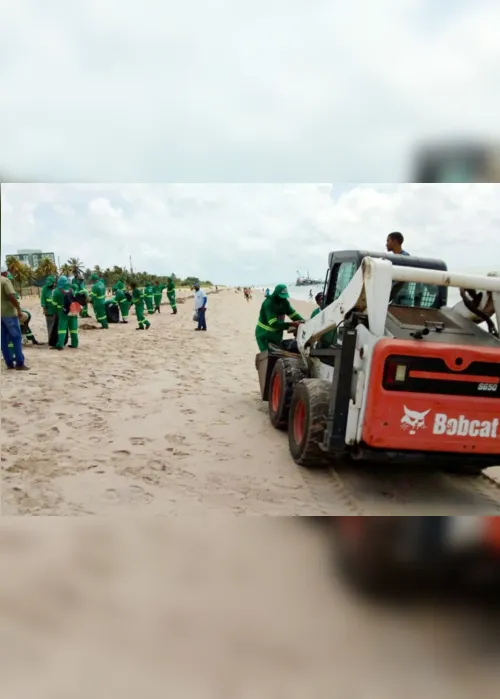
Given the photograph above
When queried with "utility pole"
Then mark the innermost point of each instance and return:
(131, 268)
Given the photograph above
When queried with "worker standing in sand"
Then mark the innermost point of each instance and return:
(158, 295)
(138, 301)
(12, 339)
(46, 302)
(98, 296)
(62, 298)
(271, 324)
(78, 286)
(121, 299)
(171, 294)
(24, 320)
(200, 306)
(149, 298)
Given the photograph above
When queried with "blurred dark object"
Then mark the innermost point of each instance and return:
(389, 556)
(458, 162)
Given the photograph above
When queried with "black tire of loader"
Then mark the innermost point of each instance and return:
(371, 565)
(289, 372)
(315, 395)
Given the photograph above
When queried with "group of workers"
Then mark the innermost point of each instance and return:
(63, 302)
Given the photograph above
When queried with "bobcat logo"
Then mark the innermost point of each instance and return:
(412, 421)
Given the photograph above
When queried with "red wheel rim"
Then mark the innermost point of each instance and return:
(276, 393)
(299, 421)
(352, 528)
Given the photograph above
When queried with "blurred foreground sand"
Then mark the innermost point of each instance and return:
(217, 608)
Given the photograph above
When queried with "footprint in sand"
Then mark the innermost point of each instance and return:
(121, 452)
(139, 441)
(188, 411)
(132, 494)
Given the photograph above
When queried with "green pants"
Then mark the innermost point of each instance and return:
(264, 338)
(141, 318)
(157, 300)
(171, 298)
(65, 323)
(84, 313)
(150, 303)
(100, 313)
(124, 308)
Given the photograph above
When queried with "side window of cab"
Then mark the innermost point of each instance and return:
(346, 272)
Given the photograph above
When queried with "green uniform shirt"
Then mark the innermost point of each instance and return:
(46, 299)
(98, 292)
(8, 310)
(137, 296)
(270, 320)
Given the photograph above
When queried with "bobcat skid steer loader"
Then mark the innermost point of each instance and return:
(406, 379)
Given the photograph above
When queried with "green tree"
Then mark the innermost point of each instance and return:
(76, 266)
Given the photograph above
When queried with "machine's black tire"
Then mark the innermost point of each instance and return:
(369, 560)
(307, 422)
(287, 373)
(464, 470)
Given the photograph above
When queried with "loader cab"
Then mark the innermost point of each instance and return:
(343, 265)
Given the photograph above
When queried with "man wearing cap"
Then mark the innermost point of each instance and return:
(12, 339)
(271, 323)
(98, 296)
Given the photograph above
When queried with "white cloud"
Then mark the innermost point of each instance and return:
(319, 89)
(250, 233)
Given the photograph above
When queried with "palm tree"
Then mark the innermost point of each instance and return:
(45, 267)
(76, 266)
(66, 269)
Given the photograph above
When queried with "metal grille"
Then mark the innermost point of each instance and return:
(420, 317)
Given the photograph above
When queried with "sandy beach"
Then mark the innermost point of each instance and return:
(169, 421)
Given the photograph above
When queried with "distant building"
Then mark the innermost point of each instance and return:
(32, 258)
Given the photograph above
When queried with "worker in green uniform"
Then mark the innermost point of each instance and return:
(171, 294)
(329, 338)
(46, 302)
(158, 294)
(98, 296)
(271, 323)
(149, 298)
(138, 301)
(65, 321)
(121, 299)
(78, 286)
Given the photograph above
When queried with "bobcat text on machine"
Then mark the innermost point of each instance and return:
(405, 378)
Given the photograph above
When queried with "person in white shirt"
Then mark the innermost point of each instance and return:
(200, 305)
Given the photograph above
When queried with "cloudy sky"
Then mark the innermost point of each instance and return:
(240, 90)
(250, 233)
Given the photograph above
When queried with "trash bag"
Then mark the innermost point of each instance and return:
(112, 312)
(54, 334)
(196, 316)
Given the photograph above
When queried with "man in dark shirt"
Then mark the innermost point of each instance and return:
(394, 244)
